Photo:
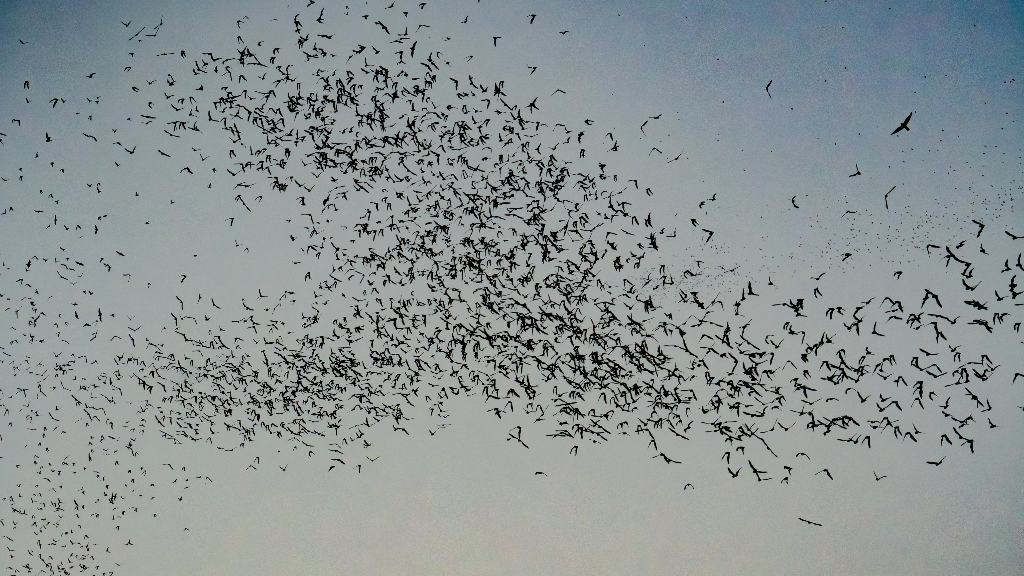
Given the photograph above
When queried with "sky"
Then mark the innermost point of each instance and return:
(465, 500)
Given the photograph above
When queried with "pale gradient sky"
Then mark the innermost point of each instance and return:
(466, 502)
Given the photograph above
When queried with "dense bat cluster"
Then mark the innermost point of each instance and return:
(445, 241)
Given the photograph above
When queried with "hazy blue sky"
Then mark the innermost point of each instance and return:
(466, 502)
